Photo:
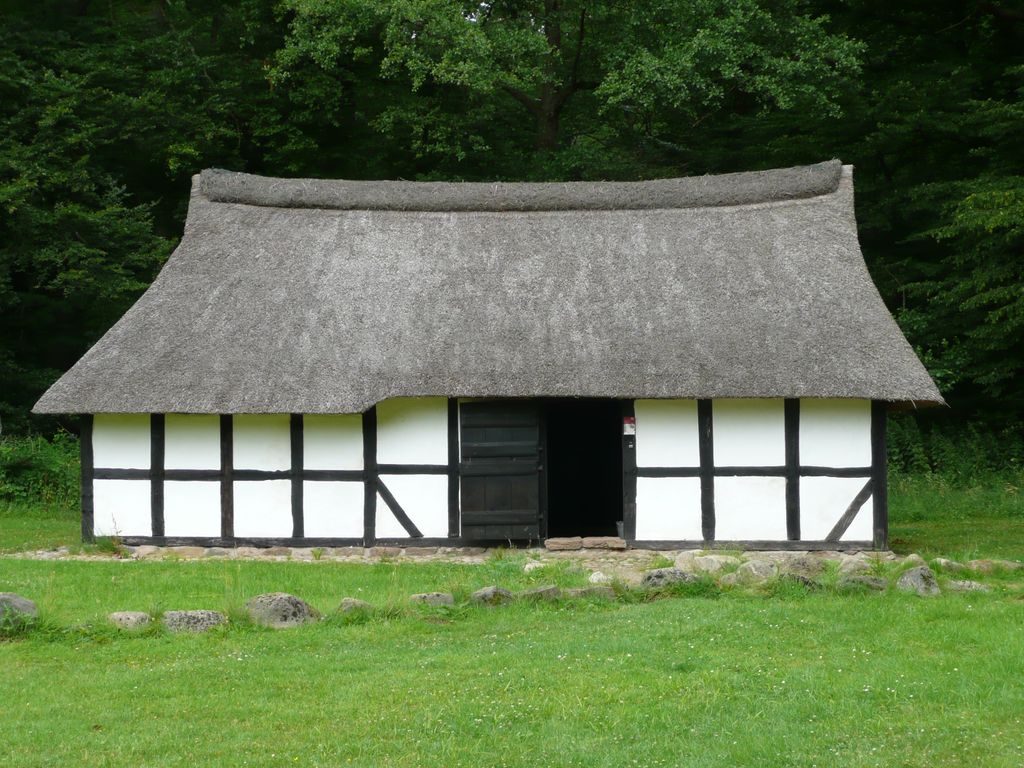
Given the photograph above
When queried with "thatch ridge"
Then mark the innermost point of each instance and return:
(692, 192)
(278, 309)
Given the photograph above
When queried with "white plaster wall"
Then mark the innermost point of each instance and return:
(823, 500)
(192, 508)
(191, 441)
(121, 441)
(750, 508)
(424, 499)
(835, 433)
(666, 433)
(122, 508)
(668, 508)
(332, 441)
(412, 430)
(263, 508)
(262, 441)
(749, 433)
(332, 509)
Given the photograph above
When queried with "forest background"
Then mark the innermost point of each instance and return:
(108, 108)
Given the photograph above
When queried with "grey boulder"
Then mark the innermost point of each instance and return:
(966, 585)
(279, 610)
(193, 621)
(547, 592)
(920, 580)
(602, 593)
(860, 581)
(130, 620)
(664, 577)
(16, 608)
(492, 596)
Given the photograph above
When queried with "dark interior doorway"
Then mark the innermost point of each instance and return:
(584, 467)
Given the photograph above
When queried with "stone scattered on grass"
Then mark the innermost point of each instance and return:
(914, 559)
(352, 604)
(16, 608)
(604, 593)
(279, 610)
(193, 621)
(547, 592)
(492, 596)
(664, 577)
(147, 552)
(433, 598)
(857, 581)
(856, 564)
(920, 580)
(804, 565)
(130, 620)
(756, 570)
(564, 544)
(533, 565)
(966, 585)
(597, 577)
(949, 566)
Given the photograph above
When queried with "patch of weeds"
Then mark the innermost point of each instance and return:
(317, 552)
(789, 585)
(661, 561)
(108, 545)
(14, 625)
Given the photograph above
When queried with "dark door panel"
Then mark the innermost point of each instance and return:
(500, 470)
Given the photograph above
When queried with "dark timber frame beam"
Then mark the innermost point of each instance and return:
(86, 457)
(880, 473)
(156, 468)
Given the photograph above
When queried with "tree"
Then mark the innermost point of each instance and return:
(563, 88)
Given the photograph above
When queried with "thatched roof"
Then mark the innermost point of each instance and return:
(309, 296)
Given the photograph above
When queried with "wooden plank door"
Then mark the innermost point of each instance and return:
(501, 470)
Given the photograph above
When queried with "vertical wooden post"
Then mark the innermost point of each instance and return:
(792, 432)
(156, 473)
(370, 477)
(629, 470)
(879, 474)
(296, 433)
(227, 479)
(453, 468)
(86, 455)
(706, 445)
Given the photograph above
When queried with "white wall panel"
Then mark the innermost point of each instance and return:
(191, 441)
(424, 499)
(666, 433)
(122, 508)
(263, 508)
(332, 509)
(192, 508)
(262, 441)
(668, 508)
(749, 433)
(835, 433)
(333, 441)
(823, 500)
(412, 430)
(750, 508)
(121, 441)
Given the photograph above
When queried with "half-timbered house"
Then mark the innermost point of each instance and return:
(701, 361)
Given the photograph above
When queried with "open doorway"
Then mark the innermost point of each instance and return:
(584, 467)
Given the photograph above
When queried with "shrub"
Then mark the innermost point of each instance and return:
(39, 469)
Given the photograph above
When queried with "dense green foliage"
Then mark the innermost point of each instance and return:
(107, 109)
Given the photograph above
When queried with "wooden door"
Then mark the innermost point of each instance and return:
(501, 470)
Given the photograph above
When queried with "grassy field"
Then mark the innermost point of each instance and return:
(782, 678)
(703, 677)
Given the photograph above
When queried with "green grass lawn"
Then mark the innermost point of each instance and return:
(783, 677)
(790, 678)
